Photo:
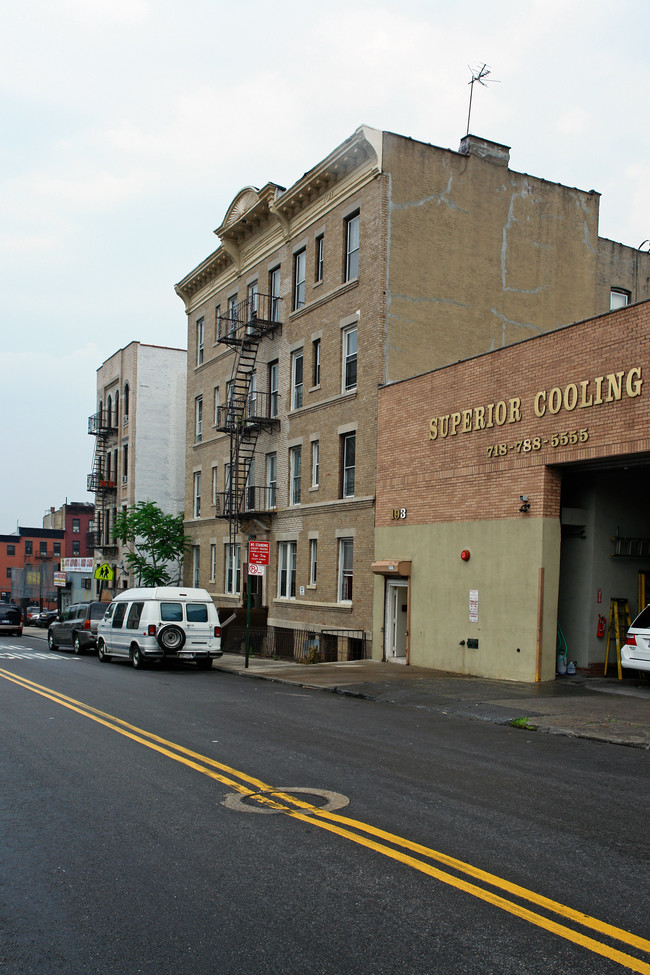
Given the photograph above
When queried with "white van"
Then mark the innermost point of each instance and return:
(160, 623)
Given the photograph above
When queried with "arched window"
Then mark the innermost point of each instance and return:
(117, 407)
(109, 412)
(125, 404)
(99, 410)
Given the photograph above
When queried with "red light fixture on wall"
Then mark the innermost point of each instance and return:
(465, 555)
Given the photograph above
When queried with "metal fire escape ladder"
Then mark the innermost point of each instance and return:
(243, 421)
(101, 425)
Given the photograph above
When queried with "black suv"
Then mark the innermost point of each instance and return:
(11, 619)
(77, 627)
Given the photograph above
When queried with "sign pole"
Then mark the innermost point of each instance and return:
(248, 617)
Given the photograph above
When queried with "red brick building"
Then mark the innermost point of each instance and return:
(512, 499)
(28, 558)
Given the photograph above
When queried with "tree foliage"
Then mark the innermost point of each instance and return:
(157, 543)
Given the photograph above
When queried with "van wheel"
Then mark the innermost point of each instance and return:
(76, 646)
(136, 657)
(101, 653)
(171, 638)
(51, 642)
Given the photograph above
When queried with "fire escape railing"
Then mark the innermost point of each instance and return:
(247, 411)
(101, 481)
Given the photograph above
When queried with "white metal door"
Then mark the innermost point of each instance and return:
(395, 625)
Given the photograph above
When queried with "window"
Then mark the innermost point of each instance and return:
(315, 349)
(118, 616)
(313, 561)
(315, 463)
(216, 406)
(117, 407)
(345, 569)
(233, 569)
(29, 548)
(271, 479)
(618, 298)
(299, 264)
(133, 619)
(287, 570)
(213, 562)
(76, 547)
(11, 549)
(295, 464)
(252, 300)
(273, 389)
(350, 358)
(251, 400)
(56, 548)
(274, 289)
(197, 494)
(217, 323)
(214, 484)
(348, 449)
(109, 411)
(296, 380)
(196, 566)
(320, 250)
(250, 485)
(76, 525)
(200, 335)
(232, 314)
(9, 572)
(198, 419)
(42, 548)
(125, 407)
(352, 247)
(125, 462)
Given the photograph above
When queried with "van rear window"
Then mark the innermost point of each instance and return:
(196, 613)
(171, 612)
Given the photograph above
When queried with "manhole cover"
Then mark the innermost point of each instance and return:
(260, 802)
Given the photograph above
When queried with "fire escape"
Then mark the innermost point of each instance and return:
(102, 481)
(246, 411)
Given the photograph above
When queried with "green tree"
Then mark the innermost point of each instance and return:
(157, 543)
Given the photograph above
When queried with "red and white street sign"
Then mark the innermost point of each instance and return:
(255, 570)
(258, 554)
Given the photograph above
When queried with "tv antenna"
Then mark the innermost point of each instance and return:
(478, 74)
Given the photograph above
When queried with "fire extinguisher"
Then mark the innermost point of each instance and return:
(600, 630)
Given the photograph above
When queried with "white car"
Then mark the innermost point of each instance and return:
(635, 652)
(160, 623)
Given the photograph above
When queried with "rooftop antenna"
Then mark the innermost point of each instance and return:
(478, 74)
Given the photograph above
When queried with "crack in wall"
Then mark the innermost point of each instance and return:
(535, 329)
(444, 197)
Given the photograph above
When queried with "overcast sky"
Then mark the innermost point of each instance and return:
(128, 126)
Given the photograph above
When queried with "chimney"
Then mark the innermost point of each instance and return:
(494, 152)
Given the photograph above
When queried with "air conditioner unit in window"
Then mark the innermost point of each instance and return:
(124, 478)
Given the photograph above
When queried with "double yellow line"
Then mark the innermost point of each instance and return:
(414, 855)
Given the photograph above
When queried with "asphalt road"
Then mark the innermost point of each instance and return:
(466, 847)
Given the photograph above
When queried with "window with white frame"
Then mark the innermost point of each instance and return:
(348, 450)
(299, 268)
(287, 570)
(252, 299)
(197, 494)
(618, 298)
(295, 471)
(315, 463)
(349, 358)
(251, 399)
(271, 479)
(233, 569)
(215, 481)
(227, 479)
(297, 360)
(352, 247)
(274, 373)
(198, 419)
(315, 348)
(196, 565)
(217, 323)
(200, 336)
(346, 551)
(320, 254)
(213, 562)
(232, 314)
(313, 561)
(274, 290)
(216, 405)
(125, 463)
(250, 485)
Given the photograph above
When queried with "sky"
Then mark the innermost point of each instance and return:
(128, 127)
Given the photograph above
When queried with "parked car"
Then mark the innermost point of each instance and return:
(161, 623)
(635, 652)
(31, 615)
(11, 619)
(48, 616)
(77, 627)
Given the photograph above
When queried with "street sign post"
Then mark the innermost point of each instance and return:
(258, 557)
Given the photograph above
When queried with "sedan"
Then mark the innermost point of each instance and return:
(48, 616)
(635, 653)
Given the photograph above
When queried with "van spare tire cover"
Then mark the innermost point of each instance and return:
(171, 637)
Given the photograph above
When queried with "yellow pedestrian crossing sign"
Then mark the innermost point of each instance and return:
(104, 572)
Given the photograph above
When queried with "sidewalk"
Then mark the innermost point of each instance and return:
(603, 709)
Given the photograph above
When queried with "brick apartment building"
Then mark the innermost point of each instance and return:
(28, 559)
(139, 433)
(512, 497)
(388, 258)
